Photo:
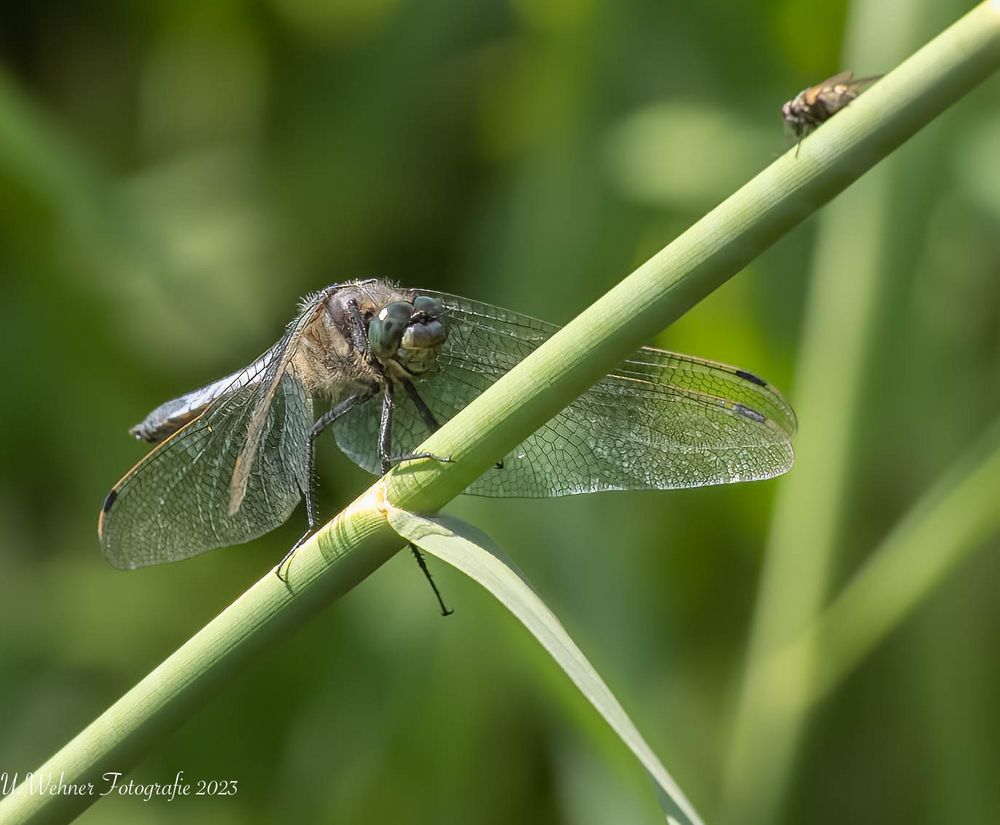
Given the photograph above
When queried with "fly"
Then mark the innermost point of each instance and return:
(814, 106)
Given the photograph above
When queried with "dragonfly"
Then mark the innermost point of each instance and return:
(233, 459)
(814, 106)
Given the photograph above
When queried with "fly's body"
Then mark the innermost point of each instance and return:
(233, 459)
(813, 106)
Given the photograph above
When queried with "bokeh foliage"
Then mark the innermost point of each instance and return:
(174, 175)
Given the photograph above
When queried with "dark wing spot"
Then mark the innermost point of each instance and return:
(749, 413)
(749, 376)
(109, 501)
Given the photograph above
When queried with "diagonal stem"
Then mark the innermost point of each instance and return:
(355, 543)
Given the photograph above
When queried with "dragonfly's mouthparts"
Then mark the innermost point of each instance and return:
(425, 335)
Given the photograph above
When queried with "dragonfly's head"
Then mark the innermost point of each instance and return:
(408, 333)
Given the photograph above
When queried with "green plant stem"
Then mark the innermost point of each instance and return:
(358, 540)
(854, 261)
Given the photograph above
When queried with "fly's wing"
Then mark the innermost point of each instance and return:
(176, 502)
(834, 94)
(808, 98)
(659, 421)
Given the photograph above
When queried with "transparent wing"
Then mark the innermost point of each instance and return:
(835, 80)
(174, 503)
(170, 416)
(839, 90)
(659, 421)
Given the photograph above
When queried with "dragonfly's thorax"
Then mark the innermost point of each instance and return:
(366, 332)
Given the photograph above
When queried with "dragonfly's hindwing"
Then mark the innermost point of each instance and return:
(174, 503)
(660, 421)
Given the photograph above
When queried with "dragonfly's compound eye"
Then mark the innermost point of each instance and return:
(385, 332)
(431, 307)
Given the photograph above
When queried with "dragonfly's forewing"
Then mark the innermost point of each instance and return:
(170, 416)
(660, 421)
(176, 502)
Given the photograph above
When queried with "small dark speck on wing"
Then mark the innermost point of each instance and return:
(749, 413)
(110, 500)
(749, 376)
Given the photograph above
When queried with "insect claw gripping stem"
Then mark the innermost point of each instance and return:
(400, 459)
(281, 571)
(324, 422)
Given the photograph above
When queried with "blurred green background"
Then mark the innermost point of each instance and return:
(174, 176)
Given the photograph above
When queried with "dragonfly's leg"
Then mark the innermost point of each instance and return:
(323, 423)
(384, 446)
(429, 421)
(425, 412)
(385, 435)
(385, 427)
(427, 573)
(400, 459)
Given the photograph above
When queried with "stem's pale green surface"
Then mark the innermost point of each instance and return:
(204, 664)
(853, 263)
(706, 255)
(358, 541)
